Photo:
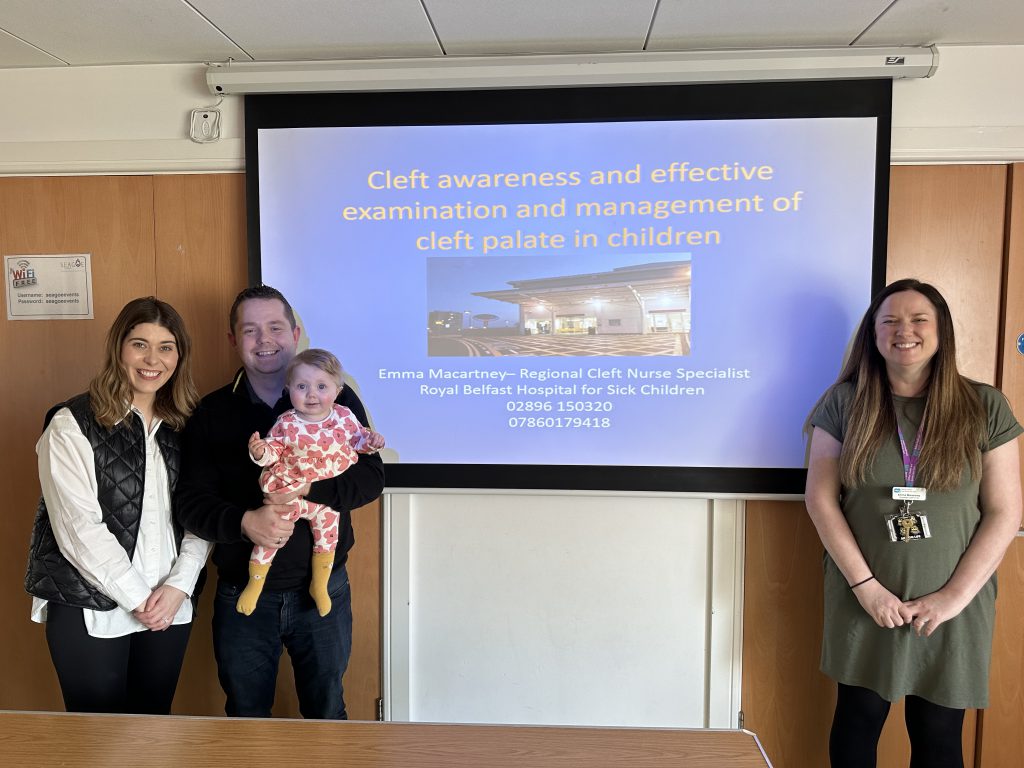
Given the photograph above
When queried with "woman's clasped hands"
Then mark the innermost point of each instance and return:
(924, 614)
(160, 608)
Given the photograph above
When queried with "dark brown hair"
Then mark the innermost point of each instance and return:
(259, 292)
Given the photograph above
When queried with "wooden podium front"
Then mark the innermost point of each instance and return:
(36, 739)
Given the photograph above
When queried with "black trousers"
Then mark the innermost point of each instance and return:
(135, 674)
(935, 731)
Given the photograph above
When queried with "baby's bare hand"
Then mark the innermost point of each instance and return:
(257, 446)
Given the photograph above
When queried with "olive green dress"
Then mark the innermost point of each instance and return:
(951, 666)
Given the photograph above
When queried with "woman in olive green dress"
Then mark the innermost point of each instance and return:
(913, 484)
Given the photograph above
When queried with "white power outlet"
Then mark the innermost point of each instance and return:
(205, 125)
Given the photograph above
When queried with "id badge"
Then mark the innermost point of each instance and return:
(909, 493)
(906, 526)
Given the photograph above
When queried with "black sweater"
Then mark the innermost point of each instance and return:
(219, 483)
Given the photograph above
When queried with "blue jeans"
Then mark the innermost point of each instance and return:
(248, 649)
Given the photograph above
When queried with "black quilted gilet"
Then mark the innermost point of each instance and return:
(120, 457)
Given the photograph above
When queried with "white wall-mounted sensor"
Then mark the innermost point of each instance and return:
(205, 125)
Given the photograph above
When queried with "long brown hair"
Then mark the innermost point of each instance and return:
(110, 392)
(952, 404)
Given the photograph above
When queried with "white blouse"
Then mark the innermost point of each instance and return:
(67, 476)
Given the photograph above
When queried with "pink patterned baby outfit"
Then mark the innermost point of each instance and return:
(299, 452)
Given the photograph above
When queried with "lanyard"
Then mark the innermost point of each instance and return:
(910, 459)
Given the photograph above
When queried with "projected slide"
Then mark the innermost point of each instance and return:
(646, 293)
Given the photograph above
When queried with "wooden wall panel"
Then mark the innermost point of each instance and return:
(1002, 738)
(201, 265)
(201, 262)
(49, 360)
(1012, 359)
(946, 226)
(363, 680)
(786, 701)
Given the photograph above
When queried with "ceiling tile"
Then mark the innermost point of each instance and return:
(924, 22)
(41, 33)
(15, 53)
(683, 25)
(117, 32)
(475, 27)
(271, 30)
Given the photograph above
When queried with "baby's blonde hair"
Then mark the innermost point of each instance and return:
(318, 358)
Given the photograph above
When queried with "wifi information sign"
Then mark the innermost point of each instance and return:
(48, 286)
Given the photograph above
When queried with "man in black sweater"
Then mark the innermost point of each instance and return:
(218, 498)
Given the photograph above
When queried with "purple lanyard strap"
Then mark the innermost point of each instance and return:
(910, 459)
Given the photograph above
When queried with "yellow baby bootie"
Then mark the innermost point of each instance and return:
(322, 563)
(251, 594)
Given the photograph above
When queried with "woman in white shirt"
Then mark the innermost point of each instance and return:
(110, 573)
